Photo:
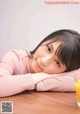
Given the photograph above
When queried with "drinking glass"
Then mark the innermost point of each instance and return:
(77, 86)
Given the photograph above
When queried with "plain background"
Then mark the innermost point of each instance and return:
(24, 23)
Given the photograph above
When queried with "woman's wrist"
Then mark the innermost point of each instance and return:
(37, 77)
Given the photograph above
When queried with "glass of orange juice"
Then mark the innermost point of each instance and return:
(77, 85)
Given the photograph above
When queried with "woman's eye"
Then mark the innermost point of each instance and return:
(49, 49)
(57, 63)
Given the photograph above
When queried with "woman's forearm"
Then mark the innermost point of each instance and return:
(13, 84)
(59, 82)
(10, 85)
(38, 77)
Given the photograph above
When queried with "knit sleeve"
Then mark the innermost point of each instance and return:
(61, 82)
(10, 85)
(9, 63)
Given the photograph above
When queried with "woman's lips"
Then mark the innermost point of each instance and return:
(36, 66)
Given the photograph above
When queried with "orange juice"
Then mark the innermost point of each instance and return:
(77, 85)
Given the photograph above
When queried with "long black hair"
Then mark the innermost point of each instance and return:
(68, 51)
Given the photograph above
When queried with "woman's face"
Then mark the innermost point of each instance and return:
(45, 60)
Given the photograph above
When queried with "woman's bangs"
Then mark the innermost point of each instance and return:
(64, 54)
(59, 52)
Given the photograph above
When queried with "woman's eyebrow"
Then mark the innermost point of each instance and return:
(57, 58)
(52, 47)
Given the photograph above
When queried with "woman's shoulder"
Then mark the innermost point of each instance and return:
(20, 52)
(15, 54)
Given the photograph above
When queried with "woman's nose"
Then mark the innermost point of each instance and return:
(46, 60)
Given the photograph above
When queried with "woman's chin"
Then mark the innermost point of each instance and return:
(36, 70)
(35, 67)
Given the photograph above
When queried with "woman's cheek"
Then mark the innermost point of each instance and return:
(50, 71)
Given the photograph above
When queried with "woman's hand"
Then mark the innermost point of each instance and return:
(37, 77)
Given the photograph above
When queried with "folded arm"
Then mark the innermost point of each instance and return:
(13, 80)
(59, 82)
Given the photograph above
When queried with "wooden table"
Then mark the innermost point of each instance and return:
(32, 102)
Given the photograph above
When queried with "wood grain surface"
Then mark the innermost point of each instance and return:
(32, 102)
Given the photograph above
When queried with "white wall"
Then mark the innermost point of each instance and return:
(24, 23)
(15, 17)
(53, 18)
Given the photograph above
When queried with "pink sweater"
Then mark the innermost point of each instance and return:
(15, 76)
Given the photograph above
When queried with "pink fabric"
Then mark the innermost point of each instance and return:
(15, 76)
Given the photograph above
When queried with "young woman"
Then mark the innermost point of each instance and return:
(46, 68)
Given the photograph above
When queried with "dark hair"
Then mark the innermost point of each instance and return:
(68, 51)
